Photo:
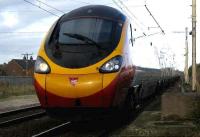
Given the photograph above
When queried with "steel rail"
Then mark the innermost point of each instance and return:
(8, 113)
(53, 131)
(21, 119)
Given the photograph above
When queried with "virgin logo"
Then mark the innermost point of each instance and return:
(73, 81)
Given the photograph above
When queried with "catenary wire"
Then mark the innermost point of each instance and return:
(41, 8)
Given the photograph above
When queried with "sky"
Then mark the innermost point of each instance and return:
(23, 26)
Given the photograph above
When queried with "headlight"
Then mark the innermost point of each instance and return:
(113, 65)
(41, 66)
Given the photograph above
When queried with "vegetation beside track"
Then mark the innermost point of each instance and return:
(7, 90)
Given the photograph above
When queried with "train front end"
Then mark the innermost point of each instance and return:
(81, 63)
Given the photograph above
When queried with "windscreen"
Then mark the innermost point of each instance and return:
(97, 30)
(82, 42)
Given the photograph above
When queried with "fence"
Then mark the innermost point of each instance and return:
(16, 80)
(15, 86)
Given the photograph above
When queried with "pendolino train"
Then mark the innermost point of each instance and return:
(85, 63)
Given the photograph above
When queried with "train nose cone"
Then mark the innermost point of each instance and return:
(73, 86)
(69, 88)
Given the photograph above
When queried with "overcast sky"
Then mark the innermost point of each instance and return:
(23, 25)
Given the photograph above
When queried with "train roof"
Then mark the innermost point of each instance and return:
(95, 11)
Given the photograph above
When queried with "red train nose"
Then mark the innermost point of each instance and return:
(103, 97)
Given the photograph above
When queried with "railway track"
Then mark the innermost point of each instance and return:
(20, 115)
(54, 130)
(62, 129)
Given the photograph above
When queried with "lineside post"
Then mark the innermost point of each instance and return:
(186, 56)
(193, 45)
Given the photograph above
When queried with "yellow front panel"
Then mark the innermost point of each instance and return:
(40, 78)
(86, 85)
(108, 78)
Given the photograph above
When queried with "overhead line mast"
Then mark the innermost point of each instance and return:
(186, 56)
(26, 55)
(194, 45)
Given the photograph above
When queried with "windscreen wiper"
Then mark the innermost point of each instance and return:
(82, 38)
(56, 50)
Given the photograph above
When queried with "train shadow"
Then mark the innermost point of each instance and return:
(114, 120)
(109, 122)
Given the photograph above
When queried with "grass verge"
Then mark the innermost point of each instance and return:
(7, 90)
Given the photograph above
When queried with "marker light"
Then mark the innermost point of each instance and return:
(41, 66)
(113, 65)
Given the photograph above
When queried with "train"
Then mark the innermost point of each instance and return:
(85, 63)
